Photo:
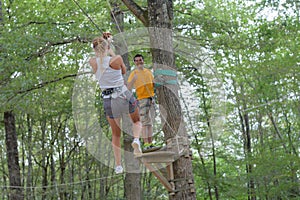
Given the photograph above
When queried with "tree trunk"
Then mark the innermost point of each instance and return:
(1, 15)
(11, 139)
(245, 126)
(160, 14)
(44, 161)
(132, 182)
(213, 148)
(3, 176)
(29, 181)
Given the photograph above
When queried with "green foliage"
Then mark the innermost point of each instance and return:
(246, 80)
(257, 61)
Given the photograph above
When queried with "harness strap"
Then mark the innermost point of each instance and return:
(165, 72)
(110, 91)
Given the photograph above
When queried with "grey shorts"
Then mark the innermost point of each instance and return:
(124, 104)
(147, 112)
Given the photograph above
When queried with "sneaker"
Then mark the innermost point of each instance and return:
(147, 146)
(150, 147)
(119, 169)
(137, 147)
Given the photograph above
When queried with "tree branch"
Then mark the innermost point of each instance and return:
(43, 23)
(49, 82)
(44, 50)
(44, 84)
(137, 11)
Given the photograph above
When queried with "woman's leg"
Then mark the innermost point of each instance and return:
(137, 125)
(136, 129)
(116, 138)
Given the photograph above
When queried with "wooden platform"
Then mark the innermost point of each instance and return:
(157, 157)
(160, 163)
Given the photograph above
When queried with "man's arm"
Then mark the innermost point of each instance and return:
(131, 80)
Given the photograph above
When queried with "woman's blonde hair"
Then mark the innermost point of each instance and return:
(100, 44)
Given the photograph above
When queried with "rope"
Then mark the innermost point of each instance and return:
(165, 72)
(85, 13)
(170, 82)
(59, 185)
(118, 27)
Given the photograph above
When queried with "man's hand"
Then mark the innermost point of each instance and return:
(131, 83)
(134, 77)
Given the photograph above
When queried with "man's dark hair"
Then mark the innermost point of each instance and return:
(138, 55)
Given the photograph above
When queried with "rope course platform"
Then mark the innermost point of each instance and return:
(160, 163)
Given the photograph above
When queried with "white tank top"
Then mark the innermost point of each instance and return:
(107, 76)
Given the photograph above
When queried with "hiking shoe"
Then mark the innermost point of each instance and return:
(136, 147)
(147, 146)
(119, 169)
(150, 147)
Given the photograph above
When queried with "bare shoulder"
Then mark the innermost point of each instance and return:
(116, 62)
(93, 64)
(92, 60)
(116, 58)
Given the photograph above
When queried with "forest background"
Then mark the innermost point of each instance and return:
(240, 98)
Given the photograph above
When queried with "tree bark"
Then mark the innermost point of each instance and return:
(141, 14)
(132, 182)
(213, 148)
(29, 181)
(16, 192)
(44, 161)
(12, 154)
(1, 15)
(245, 127)
(160, 14)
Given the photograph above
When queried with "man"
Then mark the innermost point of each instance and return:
(143, 81)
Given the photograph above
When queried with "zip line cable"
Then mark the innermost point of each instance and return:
(87, 15)
(92, 21)
(84, 181)
(119, 29)
(117, 24)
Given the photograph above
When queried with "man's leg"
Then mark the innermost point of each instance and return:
(147, 134)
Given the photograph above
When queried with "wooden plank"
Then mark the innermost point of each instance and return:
(171, 177)
(170, 172)
(157, 157)
(160, 164)
(161, 178)
(162, 168)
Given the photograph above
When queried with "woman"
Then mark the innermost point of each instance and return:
(117, 99)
